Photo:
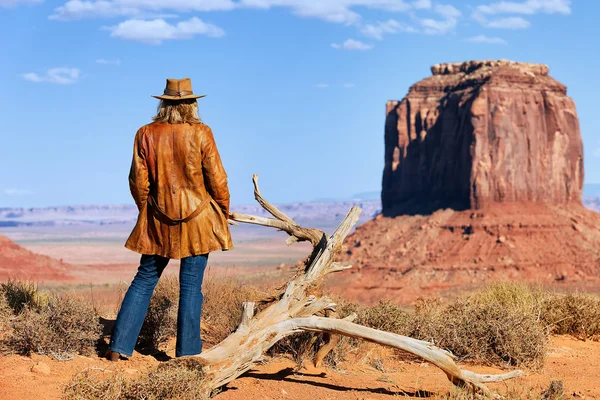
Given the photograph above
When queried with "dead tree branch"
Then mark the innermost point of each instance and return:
(297, 310)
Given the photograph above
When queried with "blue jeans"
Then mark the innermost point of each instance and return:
(137, 299)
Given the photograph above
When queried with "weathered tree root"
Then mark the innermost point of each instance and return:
(297, 310)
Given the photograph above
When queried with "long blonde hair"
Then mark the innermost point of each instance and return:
(177, 112)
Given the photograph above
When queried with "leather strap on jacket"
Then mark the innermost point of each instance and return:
(171, 221)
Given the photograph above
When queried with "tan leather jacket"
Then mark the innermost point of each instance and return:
(179, 165)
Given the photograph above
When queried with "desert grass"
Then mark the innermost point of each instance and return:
(35, 321)
(169, 381)
(19, 294)
(6, 314)
(575, 314)
(505, 325)
(502, 325)
(62, 328)
(222, 308)
(515, 390)
(497, 326)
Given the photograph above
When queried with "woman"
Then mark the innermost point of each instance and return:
(180, 188)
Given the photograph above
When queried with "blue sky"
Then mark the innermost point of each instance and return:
(296, 88)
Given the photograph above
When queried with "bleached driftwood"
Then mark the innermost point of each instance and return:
(299, 310)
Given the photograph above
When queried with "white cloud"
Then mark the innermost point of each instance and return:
(439, 27)
(509, 23)
(349, 85)
(108, 62)
(322, 85)
(17, 192)
(147, 18)
(338, 11)
(390, 27)
(482, 13)
(421, 4)
(447, 11)
(15, 3)
(158, 30)
(352, 44)
(60, 76)
(77, 9)
(486, 39)
(527, 7)
(501, 23)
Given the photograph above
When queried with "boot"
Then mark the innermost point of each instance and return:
(113, 356)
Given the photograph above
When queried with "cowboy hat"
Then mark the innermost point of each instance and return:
(178, 89)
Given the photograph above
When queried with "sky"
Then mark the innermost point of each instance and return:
(296, 89)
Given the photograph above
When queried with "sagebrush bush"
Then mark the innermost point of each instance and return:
(63, 327)
(181, 380)
(385, 316)
(498, 325)
(19, 294)
(573, 314)
(483, 330)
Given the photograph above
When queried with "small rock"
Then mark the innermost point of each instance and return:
(502, 239)
(41, 368)
(283, 392)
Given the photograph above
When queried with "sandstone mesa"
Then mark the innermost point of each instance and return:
(482, 181)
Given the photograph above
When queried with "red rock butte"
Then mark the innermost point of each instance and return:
(482, 132)
(482, 181)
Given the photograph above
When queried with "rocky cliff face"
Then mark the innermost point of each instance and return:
(482, 132)
(483, 181)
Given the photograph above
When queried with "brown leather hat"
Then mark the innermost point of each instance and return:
(178, 89)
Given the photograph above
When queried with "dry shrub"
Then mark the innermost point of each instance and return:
(300, 347)
(19, 294)
(93, 385)
(6, 311)
(512, 391)
(386, 316)
(573, 314)
(499, 325)
(221, 309)
(161, 320)
(61, 328)
(182, 381)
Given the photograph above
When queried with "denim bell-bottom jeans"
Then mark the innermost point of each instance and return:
(137, 299)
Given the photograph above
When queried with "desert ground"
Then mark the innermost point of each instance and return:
(376, 373)
(102, 268)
